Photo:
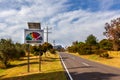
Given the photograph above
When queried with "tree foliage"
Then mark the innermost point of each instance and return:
(89, 47)
(36, 50)
(106, 44)
(91, 40)
(41, 48)
(73, 49)
(9, 51)
(92, 45)
(112, 32)
(46, 47)
(84, 49)
(5, 48)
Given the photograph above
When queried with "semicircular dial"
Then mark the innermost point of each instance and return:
(34, 36)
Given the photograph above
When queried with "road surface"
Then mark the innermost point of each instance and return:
(82, 69)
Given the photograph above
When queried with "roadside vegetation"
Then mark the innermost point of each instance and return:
(51, 69)
(10, 51)
(13, 62)
(103, 50)
(92, 46)
(114, 59)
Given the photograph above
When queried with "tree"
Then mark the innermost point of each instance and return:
(73, 49)
(113, 32)
(10, 51)
(7, 51)
(20, 49)
(92, 44)
(91, 40)
(105, 44)
(36, 50)
(46, 46)
(75, 43)
(83, 48)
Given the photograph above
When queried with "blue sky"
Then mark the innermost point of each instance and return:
(70, 20)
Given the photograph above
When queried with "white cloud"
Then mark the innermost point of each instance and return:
(2, 26)
(16, 20)
(67, 26)
(7, 13)
(87, 23)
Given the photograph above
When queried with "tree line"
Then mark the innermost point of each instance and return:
(92, 46)
(10, 51)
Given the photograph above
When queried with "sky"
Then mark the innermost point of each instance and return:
(70, 20)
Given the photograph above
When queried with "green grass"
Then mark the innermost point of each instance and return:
(51, 69)
(1, 70)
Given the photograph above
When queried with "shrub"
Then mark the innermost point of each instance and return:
(52, 51)
(104, 55)
(20, 52)
(73, 49)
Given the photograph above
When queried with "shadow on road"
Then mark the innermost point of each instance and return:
(95, 76)
(81, 67)
(65, 58)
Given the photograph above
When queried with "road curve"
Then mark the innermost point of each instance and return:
(82, 69)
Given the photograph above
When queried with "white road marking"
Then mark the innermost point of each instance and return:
(66, 68)
(73, 57)
(85, 64)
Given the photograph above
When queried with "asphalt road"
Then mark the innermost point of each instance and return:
(82, 69)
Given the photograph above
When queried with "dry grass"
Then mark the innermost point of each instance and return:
(114, 59)
(51, 69)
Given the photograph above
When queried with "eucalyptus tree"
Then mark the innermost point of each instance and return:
(112, 32)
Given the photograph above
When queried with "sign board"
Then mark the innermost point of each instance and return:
(34, 36)
(34, 25)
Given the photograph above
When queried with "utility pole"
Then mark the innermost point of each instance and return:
(47, 32)
(54, 42)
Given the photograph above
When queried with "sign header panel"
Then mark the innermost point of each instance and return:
(33, 25)
(34, 36)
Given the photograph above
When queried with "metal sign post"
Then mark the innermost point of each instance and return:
(28, 58)
(33, 35)
(40, 58)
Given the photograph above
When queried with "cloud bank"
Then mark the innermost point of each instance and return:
(70, 21)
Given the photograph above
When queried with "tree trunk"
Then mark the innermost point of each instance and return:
(115, 45)
(5, 62)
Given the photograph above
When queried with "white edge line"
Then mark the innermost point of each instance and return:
(66, 68)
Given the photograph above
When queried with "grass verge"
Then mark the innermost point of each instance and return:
(114, 59)
(51, 69)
